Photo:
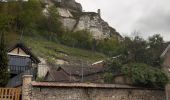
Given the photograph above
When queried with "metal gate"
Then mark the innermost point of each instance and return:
(10, 94)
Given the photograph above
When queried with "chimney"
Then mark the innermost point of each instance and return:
(99, 12)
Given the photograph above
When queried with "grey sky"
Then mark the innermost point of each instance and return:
(126, 16)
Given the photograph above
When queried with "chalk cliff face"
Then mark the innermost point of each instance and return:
(74, 19)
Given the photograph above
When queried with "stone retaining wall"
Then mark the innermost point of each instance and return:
(64, 93)
(32, 90)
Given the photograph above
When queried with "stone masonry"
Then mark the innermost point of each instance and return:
(90, 91)
(64, 93)
(32, 90)
(26, 87)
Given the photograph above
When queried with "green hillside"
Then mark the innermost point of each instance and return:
(46, 35)
(47, 49)
(51, 50)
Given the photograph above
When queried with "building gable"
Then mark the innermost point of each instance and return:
(18, 51)
(21, 50)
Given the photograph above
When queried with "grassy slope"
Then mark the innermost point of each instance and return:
(11, 38)
(51, 51)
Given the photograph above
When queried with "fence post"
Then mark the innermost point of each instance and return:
(26, 87)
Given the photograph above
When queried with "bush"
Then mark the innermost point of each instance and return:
(111, 46)
(108, 77)
(52, 24)
(144, 75)
(80, 39)
(113, 66)
(4, 74)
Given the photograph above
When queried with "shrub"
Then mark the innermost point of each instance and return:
(144, 75)
(80, 39)
(4, 74)
(111, 46)
(108, 77)
(113, 66)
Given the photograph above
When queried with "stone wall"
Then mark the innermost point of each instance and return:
(43, 68)
(66, 92)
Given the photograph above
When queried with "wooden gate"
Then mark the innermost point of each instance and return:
(10, 93)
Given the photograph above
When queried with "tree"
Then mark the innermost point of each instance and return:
(135, 49)
(29, 15)
(21, 16)
(53, 25)
(145, 75)
(80, 39)
(110, 46)
(108, 77)
(5, 22)
(155, 41)
(155, 48)
(113, 66)
(4, 75)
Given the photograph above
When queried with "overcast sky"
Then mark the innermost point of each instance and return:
(126, 16)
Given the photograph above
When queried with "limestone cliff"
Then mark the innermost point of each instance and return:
(74, 19)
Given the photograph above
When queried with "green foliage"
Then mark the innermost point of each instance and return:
(80, 39)
(108, 77)
(144, 75)
(16, 17)
(135, 49)
(4, 74)
(138, 50)
(21, 16)
(5, 22)
(155, 41)
(83, 39)
(111, 46)
(140, 61)
(52, 25)
(155, 44)
(40, 79)
(51, 50)
(113, 66)
(27, 17)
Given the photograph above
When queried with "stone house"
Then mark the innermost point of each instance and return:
(166, 67)
(166, 60)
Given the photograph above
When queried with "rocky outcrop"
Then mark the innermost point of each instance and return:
(69, 4)
(74, 19)
(93, 22)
